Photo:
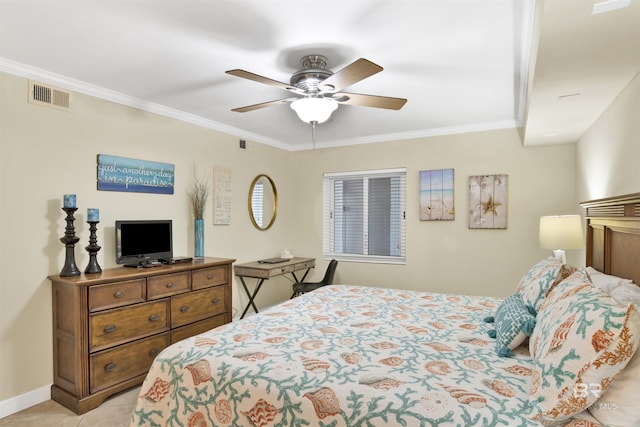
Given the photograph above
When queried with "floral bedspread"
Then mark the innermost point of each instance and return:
(343, 356)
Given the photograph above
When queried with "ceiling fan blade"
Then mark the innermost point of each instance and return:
(352, 73)
(265, 80)
(370, 100)
(262, 105)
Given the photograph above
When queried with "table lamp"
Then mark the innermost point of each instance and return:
(561, 232)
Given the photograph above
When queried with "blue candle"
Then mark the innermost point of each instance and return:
(69, 201)
(93, 214)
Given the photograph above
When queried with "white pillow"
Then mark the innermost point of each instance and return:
(624, 291)
(605, 282)
(627, 293)
(618, 406)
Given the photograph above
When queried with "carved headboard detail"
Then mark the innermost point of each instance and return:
(613, 235)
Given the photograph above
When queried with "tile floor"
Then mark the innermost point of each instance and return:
(114, 412)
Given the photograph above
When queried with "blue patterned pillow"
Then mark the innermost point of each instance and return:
(514, 322)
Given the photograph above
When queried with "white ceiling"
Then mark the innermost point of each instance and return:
(462, 65)
(580, 64)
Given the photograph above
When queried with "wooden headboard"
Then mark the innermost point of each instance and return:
(613, 235)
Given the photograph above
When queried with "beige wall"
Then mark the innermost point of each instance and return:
(608, 154)
(45, 153)
(447, 256)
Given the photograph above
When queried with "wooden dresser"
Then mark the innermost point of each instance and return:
(108, 327)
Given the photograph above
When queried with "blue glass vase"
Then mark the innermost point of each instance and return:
(198, 229)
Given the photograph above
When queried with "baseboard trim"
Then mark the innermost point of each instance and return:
(24, 401)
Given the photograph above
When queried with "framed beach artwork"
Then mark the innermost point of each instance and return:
(488, 201)
(436, 195)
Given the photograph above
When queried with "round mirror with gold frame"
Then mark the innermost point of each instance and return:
(263, 202)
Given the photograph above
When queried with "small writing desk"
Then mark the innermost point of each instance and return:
(263, 272)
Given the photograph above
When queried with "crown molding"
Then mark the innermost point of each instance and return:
(85, 88)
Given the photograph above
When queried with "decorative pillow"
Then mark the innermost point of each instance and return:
(543, 276)
(618, 407)
(576, 282)
(514, 323)
(582, 340)
(606, 282)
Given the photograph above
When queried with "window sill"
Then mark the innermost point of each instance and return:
(366, 259)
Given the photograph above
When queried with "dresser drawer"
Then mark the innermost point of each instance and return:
(197, 305)
(116, 294)
(197, 328)
(208, 277)
(167, 285)
(123, 362)
(120, 325)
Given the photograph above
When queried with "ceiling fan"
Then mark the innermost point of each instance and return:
(318, 90)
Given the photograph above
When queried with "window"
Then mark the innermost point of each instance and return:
(364, 216)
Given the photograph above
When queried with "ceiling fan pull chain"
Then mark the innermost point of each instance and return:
(313, 134)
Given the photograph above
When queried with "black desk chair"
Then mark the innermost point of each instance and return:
(303, 287)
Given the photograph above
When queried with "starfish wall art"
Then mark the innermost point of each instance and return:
(488, 201)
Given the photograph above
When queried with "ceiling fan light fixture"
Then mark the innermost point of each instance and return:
(311, 110)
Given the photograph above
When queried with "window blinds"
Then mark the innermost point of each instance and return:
(364, 215)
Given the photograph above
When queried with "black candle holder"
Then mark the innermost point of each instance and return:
(70, 239)
(93, 249)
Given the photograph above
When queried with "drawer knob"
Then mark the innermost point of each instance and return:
(154, 317)
(170, 285)
(154, 352)
(110, 367)
(184, 308)
(109, 328)
(209, 276)
(215, 300)
(119, 294)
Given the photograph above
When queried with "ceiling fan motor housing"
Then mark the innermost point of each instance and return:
(312, 74)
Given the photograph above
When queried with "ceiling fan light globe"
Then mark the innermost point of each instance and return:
(314, 109)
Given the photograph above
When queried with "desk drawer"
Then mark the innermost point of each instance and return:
(167, 285)
(306, 264)
(123, 362)
(116, 326)
(116, 294)
(276, 271)
(208, 277)
(197, 305)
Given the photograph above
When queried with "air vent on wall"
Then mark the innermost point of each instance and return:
(43, 94)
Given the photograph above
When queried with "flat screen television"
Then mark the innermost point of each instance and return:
(141, 243)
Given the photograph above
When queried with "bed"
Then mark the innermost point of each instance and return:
(559, 351)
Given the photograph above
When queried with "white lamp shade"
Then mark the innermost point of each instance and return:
(314, 109)
(561, 232)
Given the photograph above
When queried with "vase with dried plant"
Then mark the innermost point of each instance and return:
(198, 194)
